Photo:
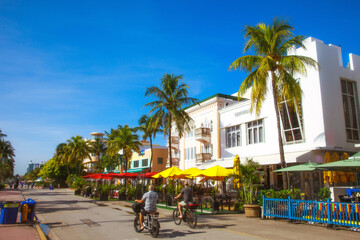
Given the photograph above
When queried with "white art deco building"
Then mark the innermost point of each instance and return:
(329, 121)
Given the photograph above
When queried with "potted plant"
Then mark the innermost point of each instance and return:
(104, 192)
(250, 178)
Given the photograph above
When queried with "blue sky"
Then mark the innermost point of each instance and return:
(73, 67)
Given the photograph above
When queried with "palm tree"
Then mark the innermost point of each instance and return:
(76, 150)
(125, 139)
(271, 62)
(150, 127)
(98, 148)
(7, 154)
(168, 108)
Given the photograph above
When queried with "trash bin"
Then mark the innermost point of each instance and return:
(9, 211)
(28, 210)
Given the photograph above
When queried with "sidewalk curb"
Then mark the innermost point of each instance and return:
(40, 232)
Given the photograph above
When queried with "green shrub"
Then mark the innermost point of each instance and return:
(324, 194)
(105, 189)
(2, 186)
(282, 194)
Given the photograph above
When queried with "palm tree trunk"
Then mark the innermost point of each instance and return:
(151, 151)
(169, 126)
(285, 177)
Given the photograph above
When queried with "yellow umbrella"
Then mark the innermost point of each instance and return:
(217, 172)
(170, 172)
(189, 173)
(236, 170)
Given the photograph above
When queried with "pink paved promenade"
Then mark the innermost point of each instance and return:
(18, 230)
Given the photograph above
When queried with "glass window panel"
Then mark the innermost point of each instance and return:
(288, 136)
(355, 135)
(238, 138)
(297, 135)
(353, 112)
(250, 141)
(346, 111)
(255, 135)
(293, 117)
(233, 140)
(349, 134)
(343, 86)
(261, 134)
(350, 89)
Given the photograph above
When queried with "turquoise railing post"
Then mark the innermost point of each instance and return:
(329, 211)
(263, 206)
(289, 207)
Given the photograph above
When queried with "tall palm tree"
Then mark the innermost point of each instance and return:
(98, 148)
(125, 139)
(150, 127)
(76, 150)
(7, 154)
(168, 108)
(272, 62)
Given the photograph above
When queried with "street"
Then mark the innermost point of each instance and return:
(74, 217)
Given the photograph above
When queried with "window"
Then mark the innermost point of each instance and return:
(255, 132)
(207, 148)
(350, 101)
(233, 136)
(160, 161)
(291, 122)
(145, 162)
(136, 163)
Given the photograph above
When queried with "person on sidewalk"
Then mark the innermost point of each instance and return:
(187, 193)
(150, 198)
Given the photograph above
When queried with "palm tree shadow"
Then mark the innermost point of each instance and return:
(170, 233)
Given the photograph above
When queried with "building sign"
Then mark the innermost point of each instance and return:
(238, 114)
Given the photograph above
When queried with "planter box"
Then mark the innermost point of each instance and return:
(252, 210)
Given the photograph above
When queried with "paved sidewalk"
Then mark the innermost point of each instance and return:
(19, 230)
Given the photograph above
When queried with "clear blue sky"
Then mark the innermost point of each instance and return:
(73, 67)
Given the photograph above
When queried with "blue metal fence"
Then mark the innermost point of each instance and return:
(337, 213)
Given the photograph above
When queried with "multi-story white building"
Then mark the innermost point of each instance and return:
(328, 122)
(90, 163)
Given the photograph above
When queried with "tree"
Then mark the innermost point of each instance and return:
(125, 139)
(54, 169)
(168, 108)
(76, 150)
(271, 62)
(98, 148)
(150, 127)
(7, 154)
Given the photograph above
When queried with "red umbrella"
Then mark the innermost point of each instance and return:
(123, 175)
(149, 174)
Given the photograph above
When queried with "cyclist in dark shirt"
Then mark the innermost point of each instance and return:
(187, 193)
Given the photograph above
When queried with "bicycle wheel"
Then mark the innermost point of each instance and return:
(155, 228)
(191, 219)
(176, 215)
(137, 224)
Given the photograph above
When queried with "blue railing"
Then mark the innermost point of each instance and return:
(337, 213)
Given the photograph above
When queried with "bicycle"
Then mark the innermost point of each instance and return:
(189, 215)
(150, 223)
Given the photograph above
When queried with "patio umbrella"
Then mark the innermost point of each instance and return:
(215, 173)
(299, 168)
(170, 172)
(149, 174)
(189, 173)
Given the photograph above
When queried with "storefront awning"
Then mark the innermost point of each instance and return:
(133, 170)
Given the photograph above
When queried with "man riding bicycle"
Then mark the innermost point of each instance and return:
(187, 193)
(150, 198)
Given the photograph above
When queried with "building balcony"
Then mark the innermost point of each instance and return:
(202, 157)
(174, 143)
(175, 162)
(203, 135)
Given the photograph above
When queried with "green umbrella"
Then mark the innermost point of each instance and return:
(299, 168)
(345, 165)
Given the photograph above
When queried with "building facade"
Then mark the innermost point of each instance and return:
(141, 162)
(90, 163)
(327, 123)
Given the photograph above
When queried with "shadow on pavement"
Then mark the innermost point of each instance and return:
(170, 233)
